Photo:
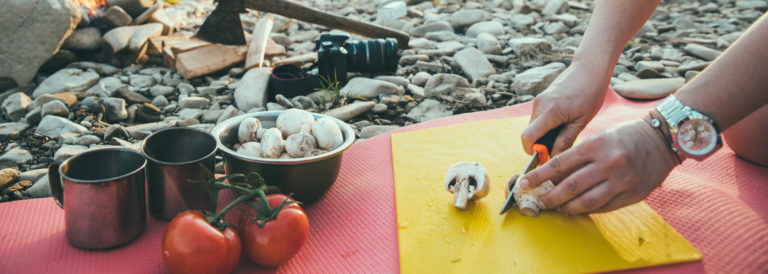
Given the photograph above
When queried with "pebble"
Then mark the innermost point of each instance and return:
(702, 51)
(421, 78)
(441, 82)
(142, 81)
(647, 73)
(492, 27)
(17, 156)
(379, 108)
(488, 44)
(87, 140)
(368, 88)
(12, 131)
(15, 106)
(54, 126)
(649, 89)
(194, 102)
(160, 90)
(429, 109)
(68, 151)
(464, 18)
(349, 111)
(536, 80)
(56, 108)
(114, 108)
(473, 63)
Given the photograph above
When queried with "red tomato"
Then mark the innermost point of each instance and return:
(280, 238)
(191, 245)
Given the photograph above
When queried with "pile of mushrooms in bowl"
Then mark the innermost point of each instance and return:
(298, 151)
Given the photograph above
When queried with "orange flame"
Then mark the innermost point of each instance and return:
(90, 5)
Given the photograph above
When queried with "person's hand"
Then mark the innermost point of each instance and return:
(573, 99)
(619, 166)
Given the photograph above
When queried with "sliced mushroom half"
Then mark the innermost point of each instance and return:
(467, 181)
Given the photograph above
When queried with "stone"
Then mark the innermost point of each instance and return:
(683, 23)
(46, 98)
(397, 80)
(646, 29)
(185, 88)
(252, 92)
(752, 4)
(450, 45)
(68, 151)
(125, 45)
(375, 130)
(115, 17)
(671, 55)
(142, 81)
(441, 82)
(416, 90)
(8, 177)
(211, 116)
(134, 8)
(556, 28)
(31, 33)
(161, 90)
(347, 112)
(690, 74)
(430, 27)
(33, 175)
(160, 101)
(412, 59)
(488, 44)
(473, 63)
(59, 60)
(440, 36)
(102, 69)
(15, 106)
(429, 109)
(194, 102)
(12, 131)
(40, 189)
(521, 21)
(34, 116)
(56, 108)
(555, 7)
(648, 73)
(697, 66)
(114, 109)
(658, 66)
(151, 127)
(491, 27)
(64, 80)
(517, 43)
(421, 43)
(464, 18)
(626, 77)
(113, 131)
(17, 156)
(368, 88)
(568, 19)
(87, 140)
(191, 113)
(702, 51)
(379, 108)
(140, 134)
(83, 39)
(130, 96)
(148, 113)
(229, 112)
(649, 89)
(536, 80)
(421, 78)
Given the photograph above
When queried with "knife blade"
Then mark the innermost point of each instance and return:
(541, 148)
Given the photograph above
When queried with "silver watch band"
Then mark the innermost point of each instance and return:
(673, 111)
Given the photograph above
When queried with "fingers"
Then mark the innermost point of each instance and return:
(559, 165)
(566, 138)
(538, 127)
(510, 183)
(621, 200)
(592, 199)
(577, 184)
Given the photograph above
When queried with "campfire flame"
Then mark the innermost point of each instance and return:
(91, 6)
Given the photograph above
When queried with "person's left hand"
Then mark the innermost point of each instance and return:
(619, 166)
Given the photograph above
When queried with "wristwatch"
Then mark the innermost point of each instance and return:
(694, 135)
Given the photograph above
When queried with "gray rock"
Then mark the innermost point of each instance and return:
(421, 43)
(185, 88)
(274, 106)
(463, 18)
(421, 78)
(646, 29)
(280, 99)
(626, 77)
(161, 91)
(46, 98)
(440, 36)
(379, 108)
(12, 131)
(160, 101)
(252, 92)
(683, 23)
(536, 80)
(115, 17)
(41, 189)
(488, 44)
(648, 73)
(103, 70)
(441, 82)
(373, 131)
(17, 156)
(517, 43)
(430, 27)
(697, 66)
(33, 175)
(397, 80)
(142, 81)
(114, 109)
(690, 74)
(123, 46)
(87, 140)
(702, 51)
(521, 21)
(31, 33)
(555, 7)
(752, 4)
(195, 102)
(148, 113)
(83, 39)
(350, 111)
(229, 112)
(191, 113)
(15, 106)
(412, 59)
(658, 66)
(416, 90)
(303, 102)
(671, 55)
(473, 63)
(568, 19)
(113, 131)
(368, 88)
(140, 135)
(130, 96)
(34, 116)
(430, 109)
(491, 27)
(649, 89)
(56, 108)
(211, 116)
(556, 28)
(68, 151)
(67, 80)
(475, 99)
(449, 46)
(151, 127)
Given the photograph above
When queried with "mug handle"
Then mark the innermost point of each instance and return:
(54, 181)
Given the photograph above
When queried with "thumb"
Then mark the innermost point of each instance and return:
(566, 138)
(538, 127)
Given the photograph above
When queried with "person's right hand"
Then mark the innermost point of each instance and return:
(573, 99)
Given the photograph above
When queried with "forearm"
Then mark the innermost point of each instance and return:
(612, 25)
(735, 84)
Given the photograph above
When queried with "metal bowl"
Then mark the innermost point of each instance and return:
(307, 178)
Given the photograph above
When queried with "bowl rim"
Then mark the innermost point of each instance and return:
(218, 130)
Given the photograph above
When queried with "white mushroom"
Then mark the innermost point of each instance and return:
(289, 122)
(272, 143)
(528, 199)
(298, 145)
(247, 130)
(285, 155)
(314, 152)
(260, 133)
(236, 147)
(252, 149)
(467, 181)
(327, 133)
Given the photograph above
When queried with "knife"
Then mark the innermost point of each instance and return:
(541, 150)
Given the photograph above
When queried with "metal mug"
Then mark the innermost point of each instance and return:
(174, 157)
(105, 202)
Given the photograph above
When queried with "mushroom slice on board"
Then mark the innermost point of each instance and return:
(528, 199)
(289, 122)
(467, 181)
(327, 133)
(272, 143)
(299, 144)
(247, 130)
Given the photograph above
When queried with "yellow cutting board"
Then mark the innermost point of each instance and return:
(435, 237)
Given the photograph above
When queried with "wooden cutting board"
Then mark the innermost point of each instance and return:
(434, 237)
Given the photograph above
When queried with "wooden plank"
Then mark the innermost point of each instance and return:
(273, 49)
(156, 44)
(209, 59)
(258, 44)
(190, 45)
(298, 60)
(169, 59)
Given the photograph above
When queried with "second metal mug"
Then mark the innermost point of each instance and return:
(174, 157)
(102, 194)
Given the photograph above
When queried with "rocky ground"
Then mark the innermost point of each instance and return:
(462, 57)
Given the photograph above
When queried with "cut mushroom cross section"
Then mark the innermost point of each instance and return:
(467, 181)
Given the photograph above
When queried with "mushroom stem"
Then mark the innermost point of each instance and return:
(461, 194)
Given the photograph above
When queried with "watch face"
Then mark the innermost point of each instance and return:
(697, 137)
